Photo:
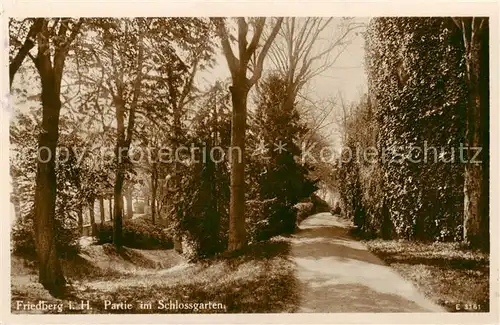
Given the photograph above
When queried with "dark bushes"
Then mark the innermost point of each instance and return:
(257, 223)
(23, 241)
(137, 233)
(304, 210)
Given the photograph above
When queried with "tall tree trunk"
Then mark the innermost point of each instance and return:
(80, 218)
(118, 211)
(50, 272)
(484, 86)
(123, 141)
(176, 179)
(110, 201)
(154, 182)
(121, 149)
(237, 232)
(475, 213)
(128, 197)
(101, 208)
(93, 225)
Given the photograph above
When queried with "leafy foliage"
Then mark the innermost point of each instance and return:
(282, 180)
(23, 170)
(202, 201)
(411, 190)
(23, 242)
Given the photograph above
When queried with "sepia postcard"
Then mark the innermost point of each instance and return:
(249, 162)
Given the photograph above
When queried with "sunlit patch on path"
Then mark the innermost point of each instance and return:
(339, 274)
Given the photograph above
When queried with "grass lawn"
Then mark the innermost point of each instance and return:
(259, 281)
(454, 278)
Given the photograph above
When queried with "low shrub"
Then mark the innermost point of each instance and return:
(137, 233)
(268, 218)
(304, 210)
(23, 238)
(257, 220)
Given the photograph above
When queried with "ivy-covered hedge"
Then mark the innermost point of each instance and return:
(416, 102)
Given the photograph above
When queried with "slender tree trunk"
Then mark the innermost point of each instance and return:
(237, 232)
(50, 272)
(93, 225)
(118, 211)
(154, 181)
(110, 201)
(101, 208)
(121, 153)
(176, 179)
(80, 218)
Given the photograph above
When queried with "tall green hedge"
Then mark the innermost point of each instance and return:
(416, 102)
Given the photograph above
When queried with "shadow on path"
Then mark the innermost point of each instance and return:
(338, 274)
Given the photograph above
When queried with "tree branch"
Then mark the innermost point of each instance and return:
(262, 55)
(137, 90)
(457, 22)
(242, 41)
(232, 61)
(259, 27)
(29, 43)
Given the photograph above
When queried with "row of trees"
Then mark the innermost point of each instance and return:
(129, 83)
(112, 69)
(428, 97)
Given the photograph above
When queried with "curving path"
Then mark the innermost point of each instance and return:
(337, 273)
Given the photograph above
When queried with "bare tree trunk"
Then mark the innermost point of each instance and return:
(475, 214)
(239, 92)
(154, 183)
(237, 232)
(110, 201)
(80, 218)
(118, 211)
(122, 156)
(484, 86)
(176, 179)
(101, 208)
(93, 225)
(50, 272)
(123, 141)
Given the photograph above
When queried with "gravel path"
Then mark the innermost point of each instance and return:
(338, 274)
